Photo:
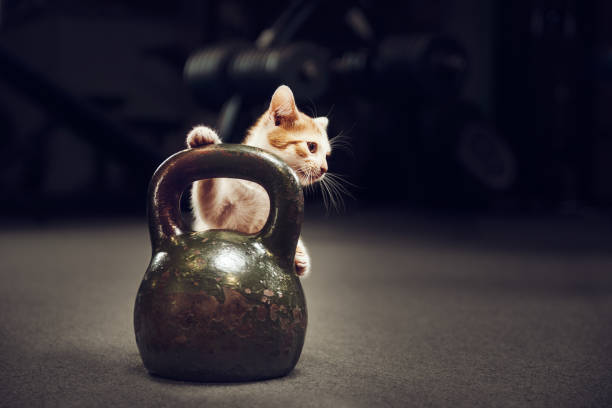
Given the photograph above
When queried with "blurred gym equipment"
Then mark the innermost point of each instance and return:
(398, 86)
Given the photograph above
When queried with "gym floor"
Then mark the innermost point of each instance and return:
(404, 310)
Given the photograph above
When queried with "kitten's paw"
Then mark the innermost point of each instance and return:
(202, 136)
(302, 262)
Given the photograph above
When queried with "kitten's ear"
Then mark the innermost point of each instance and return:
(322, 121)
(282, 106)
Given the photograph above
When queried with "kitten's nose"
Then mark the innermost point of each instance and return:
(323, 169)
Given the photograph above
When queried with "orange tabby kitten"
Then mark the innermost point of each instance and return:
(241, 205)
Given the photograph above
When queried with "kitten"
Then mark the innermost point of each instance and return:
(301, 141)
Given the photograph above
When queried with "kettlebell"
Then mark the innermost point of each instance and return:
(221, 305)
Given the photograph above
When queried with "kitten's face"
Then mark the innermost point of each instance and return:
(298, 139)
(303, 145)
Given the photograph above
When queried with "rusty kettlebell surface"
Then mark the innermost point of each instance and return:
(220, 305)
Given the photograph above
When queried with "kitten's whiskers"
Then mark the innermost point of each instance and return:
(333, 187)
(342, 142)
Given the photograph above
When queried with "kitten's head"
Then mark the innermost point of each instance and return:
(301, 141)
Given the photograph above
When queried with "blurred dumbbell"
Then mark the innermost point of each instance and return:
(218, 72)
(434, 66)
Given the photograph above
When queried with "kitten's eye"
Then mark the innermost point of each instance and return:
(312, 146)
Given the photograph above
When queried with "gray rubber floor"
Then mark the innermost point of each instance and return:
(401, 313)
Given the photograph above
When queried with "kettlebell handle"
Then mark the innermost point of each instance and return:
(173, 176)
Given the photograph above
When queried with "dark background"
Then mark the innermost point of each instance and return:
(473, 106)
(472, 267)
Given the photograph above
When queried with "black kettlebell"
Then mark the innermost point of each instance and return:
(222, 305)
